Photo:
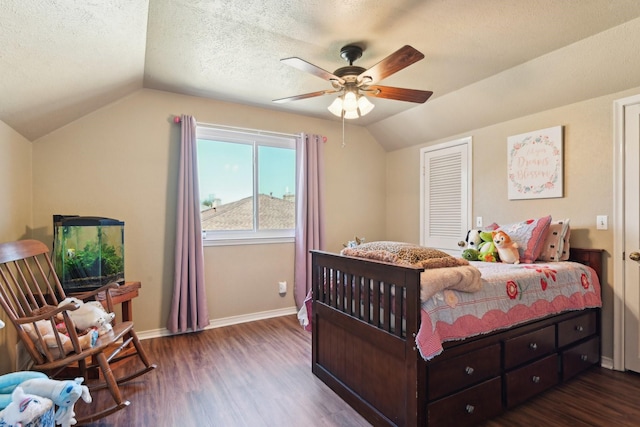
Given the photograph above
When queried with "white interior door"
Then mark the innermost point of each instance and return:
(445, 194)
(632, 237)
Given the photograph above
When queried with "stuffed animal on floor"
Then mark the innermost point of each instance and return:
(9, 382)
(24, 408)
(47, 332)
(507, 248)
(90, 314)
(64, 394)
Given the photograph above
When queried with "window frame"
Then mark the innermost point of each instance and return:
(255, 138)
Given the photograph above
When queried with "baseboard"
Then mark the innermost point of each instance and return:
(226, 321)
(606, 362)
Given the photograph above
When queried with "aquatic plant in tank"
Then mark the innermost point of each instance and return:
(88, 251)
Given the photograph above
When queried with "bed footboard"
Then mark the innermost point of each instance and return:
(365, 317)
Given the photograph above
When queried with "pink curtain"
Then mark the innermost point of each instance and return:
(189, 306)
(309, 209)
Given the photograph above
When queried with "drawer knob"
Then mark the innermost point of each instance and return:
(533, 346)
(584, 357)
(469, 409)
(579, 328)
(469, 370)
(535, 379)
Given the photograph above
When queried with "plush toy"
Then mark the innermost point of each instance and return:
(90, 314)
(470, 254)
(8, 383)
(64, 394)
(473, 239)
(24, 408)
(47, 332)
(507, 248)
(487, 249)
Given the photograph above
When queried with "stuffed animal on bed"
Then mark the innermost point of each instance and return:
(507, 248)
(473, 240)
(487, 249)
(470, 254)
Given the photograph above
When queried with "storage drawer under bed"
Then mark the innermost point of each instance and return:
(459, 372)
(525, 382)
(468, 407)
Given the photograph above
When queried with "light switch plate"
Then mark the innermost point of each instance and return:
(602, 222)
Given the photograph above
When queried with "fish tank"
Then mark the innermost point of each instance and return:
(88, 251)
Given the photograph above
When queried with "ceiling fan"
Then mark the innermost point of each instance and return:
(355, 83)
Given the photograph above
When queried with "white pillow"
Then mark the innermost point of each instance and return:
(556, 243)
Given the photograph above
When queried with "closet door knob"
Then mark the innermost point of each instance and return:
(634, 256)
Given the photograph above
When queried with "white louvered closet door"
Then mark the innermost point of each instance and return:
(446, 194)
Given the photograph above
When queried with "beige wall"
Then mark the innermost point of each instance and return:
(122, 162)
(588, 182)
(15, 213)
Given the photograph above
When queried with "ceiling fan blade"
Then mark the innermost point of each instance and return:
(308, 67)
(397, 93)
(393, 63)
(304, 96)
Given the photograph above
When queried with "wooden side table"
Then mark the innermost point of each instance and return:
(122, 295)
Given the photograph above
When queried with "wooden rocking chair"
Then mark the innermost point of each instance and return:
(30, 292)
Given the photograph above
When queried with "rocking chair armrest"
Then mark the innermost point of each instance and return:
(49, 313)
(105, 288)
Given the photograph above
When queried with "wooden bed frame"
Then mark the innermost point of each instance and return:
(375, 367)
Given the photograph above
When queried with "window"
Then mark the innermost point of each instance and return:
(247, 186)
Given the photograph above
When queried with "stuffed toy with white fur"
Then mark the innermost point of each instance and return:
(64, 394)
(89, 315)
(47, 332)
(24, 408)
(9, 382)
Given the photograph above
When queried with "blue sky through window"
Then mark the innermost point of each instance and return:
(226, 170)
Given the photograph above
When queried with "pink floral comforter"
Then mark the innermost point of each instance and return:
(511, 294)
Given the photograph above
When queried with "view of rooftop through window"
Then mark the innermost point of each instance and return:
(231, 174)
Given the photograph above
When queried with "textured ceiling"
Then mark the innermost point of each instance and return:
(60, 59)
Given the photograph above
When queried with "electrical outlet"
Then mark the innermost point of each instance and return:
(478, 221)
(282, 287)
(602, 222)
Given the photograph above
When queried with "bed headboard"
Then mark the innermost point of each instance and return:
(590, 257)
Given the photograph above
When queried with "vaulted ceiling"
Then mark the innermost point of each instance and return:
(61, 59)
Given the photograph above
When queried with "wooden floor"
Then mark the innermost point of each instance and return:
(259, 374)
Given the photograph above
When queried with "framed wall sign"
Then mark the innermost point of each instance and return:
(534, 164)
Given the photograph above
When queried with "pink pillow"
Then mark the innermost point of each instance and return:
(556, 243)
(529, 235)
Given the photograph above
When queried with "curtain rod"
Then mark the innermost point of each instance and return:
(177, 119)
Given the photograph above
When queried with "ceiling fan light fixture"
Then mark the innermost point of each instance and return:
(351, 105)
(364, 105)
(350, 102)
(336, 107)
(351, 114)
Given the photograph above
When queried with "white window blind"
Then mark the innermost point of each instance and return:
(445, 198)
